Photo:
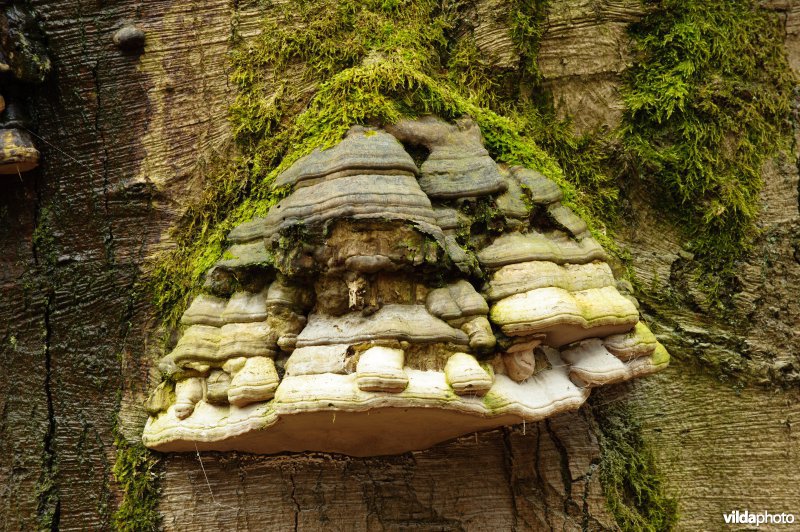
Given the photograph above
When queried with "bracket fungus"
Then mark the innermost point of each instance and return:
(370, 312)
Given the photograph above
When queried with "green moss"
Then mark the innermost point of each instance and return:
(527, 19)
(47, 495)
(136, 471)
(707, 103)
(633, 487)
(500, 88)
(470, 71)
(44, 242)
(484, 215)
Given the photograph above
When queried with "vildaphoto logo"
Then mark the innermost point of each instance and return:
(746, 517)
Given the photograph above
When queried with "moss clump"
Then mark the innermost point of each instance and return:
(44, 241)
(527, 28)
(487, 84)
(136, 470)
(320, 66)
(47, 495)
(707, 103)
(633, 488)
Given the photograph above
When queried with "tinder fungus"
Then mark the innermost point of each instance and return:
(374, 311)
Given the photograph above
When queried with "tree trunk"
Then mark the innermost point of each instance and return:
(125, 138)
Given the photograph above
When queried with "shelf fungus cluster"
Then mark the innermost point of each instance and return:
(408, 291)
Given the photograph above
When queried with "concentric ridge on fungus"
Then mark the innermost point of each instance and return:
(351, 318)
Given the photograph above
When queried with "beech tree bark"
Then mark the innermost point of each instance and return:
(123, 138)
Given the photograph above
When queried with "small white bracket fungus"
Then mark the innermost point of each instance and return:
(466, 376)
(256, 381)
(380, 369)
(188, 393)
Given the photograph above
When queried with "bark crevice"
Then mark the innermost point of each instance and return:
(49, 501)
